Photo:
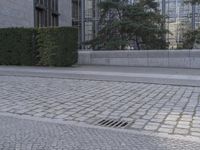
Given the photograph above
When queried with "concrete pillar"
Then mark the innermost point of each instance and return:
(82, 24)
(193, 16)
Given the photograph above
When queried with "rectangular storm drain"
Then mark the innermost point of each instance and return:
(112, 123)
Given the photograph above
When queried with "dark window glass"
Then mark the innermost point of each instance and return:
(46, 13)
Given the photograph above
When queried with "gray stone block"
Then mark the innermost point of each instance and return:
(138, 62)
(138, 58)
(158, 53)
(119, 61)
(100, 61)
(109, 54)
(179, 62)
(99, 54)
(195, 58)
(158, 62)
(194, 53)
(158, 58)
(179, 58)
(138, 54)
(179, 53)
(84, 58)
(195, 62)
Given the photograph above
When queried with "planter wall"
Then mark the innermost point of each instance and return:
(142, 58)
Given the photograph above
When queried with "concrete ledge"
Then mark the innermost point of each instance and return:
(142, 58)
(84, 57)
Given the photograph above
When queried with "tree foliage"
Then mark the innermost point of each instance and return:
(139, 25)
(191, 39)
(192, 1)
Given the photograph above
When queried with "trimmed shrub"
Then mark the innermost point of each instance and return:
(44, 46)
(57, 46)
(16, 46)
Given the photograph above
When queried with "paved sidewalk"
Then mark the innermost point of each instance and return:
(20, 134)
(188, 77)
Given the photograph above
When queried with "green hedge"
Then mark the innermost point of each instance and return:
(16, 46)
(57, 46)
(43, 46)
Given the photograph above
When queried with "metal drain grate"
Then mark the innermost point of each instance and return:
(112, 123)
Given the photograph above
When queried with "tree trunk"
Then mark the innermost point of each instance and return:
(137, 43)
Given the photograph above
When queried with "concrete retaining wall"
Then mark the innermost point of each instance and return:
(142, 58)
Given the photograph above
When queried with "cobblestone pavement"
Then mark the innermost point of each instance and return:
(17, 134)
(146, 107)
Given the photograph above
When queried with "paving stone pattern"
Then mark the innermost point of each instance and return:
(146, 107)
(19, 134)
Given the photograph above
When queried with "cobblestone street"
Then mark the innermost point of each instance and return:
(158, 108)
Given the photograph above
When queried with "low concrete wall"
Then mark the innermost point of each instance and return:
(142, 58)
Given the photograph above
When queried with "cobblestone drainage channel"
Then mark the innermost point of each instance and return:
(112, 123)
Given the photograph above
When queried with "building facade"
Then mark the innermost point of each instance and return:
(180, 17)
(35, 13)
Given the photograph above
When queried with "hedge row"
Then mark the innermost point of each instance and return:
(38, 47)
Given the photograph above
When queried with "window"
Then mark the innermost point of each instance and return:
(46, 13)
